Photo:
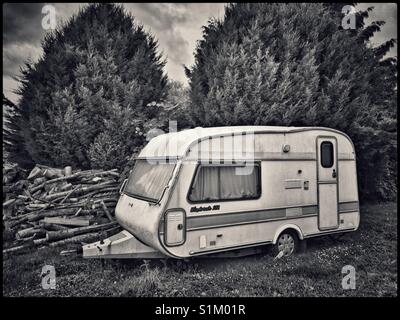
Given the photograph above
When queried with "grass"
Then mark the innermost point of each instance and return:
(372, 250)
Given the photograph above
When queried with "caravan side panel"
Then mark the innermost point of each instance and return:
(288, 195)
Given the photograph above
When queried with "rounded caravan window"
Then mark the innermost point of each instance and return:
(148, 180)
(327, 154)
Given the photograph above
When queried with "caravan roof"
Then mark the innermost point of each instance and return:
(159, 146)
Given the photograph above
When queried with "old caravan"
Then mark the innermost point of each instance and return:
(207, 190)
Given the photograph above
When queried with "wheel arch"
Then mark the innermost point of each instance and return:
(285, 227)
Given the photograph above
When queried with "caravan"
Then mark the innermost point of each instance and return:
(210, 190)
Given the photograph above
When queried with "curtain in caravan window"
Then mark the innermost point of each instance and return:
(235, 186)
(223, 183)
(206, 186)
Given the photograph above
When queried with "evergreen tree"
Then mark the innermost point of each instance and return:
(293, 64)
(97, 64)
(176, 106)
(14, 149)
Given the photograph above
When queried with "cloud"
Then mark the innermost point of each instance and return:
(164, 21)
(176, 26)
(159, 16)
(9, 86)
(15, 54)
(22, 22)
(388, 13)
(22, 34)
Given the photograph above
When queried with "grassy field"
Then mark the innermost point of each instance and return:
(372, 250)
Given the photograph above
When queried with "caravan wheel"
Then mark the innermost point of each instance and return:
(287, 243)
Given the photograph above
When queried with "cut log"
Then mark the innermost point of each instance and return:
(22, 233)
(70, 205)
(108, 214)
(52, 213)
(105, 199)
(50, 187)
(112, 172)
(39, 181)
(64, 234)
(52, 226)
(68, 171)
(17, 222)
(112, 231)
(69, 252)
(52, 173)
(77, 222)
(8, 202)
(30, 244)
(33, 231)
(98, 186)
(17, 248)
(110, 189)
(68, 194)
(35, 216)
(34, 206)
(36, 172)
(78, 212)
(37, 194)
(33, 198)
(38, 242)
(80, 238)
(35, 189)
(83, 174)
(66, 187)
(60, 203)
(80, 190)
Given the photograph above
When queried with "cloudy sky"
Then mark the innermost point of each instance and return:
(177, 26)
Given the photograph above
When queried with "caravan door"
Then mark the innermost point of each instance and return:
(327, 180)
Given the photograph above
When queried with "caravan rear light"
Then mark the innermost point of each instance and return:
(174, 227)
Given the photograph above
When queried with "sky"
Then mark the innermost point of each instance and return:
(176, 26)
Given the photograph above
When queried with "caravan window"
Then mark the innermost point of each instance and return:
(326, 154)
(148, 180)
(224, 182)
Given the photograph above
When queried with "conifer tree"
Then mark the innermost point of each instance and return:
(99, 63)
(293, 64)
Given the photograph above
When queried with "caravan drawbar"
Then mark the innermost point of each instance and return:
(210, 190)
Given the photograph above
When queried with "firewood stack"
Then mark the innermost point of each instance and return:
(56, 207)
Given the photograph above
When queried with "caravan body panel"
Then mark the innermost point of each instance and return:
(292, 189)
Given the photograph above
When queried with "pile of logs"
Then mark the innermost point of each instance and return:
(55, 207)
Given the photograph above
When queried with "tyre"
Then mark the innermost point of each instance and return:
(287, 242)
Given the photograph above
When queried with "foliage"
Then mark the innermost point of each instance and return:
(13, 144)
(293, 64)
(98, 67)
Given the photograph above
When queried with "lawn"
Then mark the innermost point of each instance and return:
(372, 250)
